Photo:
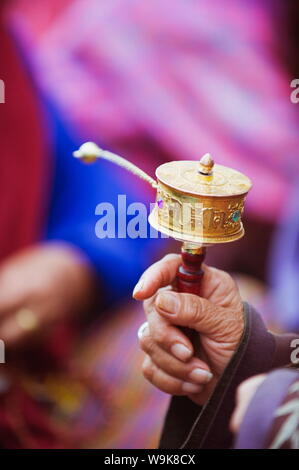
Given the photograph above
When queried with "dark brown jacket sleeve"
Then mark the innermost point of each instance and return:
(190, 426)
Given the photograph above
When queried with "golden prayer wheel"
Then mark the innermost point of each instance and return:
(197, 202)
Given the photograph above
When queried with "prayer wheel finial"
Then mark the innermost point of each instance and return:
(206, 164)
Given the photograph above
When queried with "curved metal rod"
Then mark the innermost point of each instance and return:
(89, 152)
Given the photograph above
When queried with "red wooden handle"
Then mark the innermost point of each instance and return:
(189, 278)
(190, 272)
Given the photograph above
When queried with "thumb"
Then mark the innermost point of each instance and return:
(197, 313)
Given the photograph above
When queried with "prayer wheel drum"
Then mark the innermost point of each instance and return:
(200, 202)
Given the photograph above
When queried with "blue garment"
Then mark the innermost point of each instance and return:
(76, 191)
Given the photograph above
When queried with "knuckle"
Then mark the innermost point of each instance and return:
(165, 273)
(226, 276)
(177, 372)
(160, 335)
(151, 316)
(147, 370)
(176, 388)
(228, 280)
(192, 307)
(170, 385)
(147, 305)
(146, 344)
(170, 256)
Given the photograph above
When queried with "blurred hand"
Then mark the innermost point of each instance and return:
(39, 286)
(217, 317)
(245, 393)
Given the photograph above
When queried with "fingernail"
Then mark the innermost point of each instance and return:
(138, 287)
(191, 388)
(181, 352)
(200, 375)
(168, 301)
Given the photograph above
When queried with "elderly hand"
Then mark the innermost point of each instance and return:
(217, 317)
(39, 286)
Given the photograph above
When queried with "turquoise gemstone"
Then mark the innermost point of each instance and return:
(236, 216)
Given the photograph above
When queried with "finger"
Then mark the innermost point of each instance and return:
(195, 371)
(220, 286)
(189, 310)
(16, 328)
(168, 337)
(165, 382)
(200, 314)
(12, 294)
(158, 275)
(11, 331)
(149, 303)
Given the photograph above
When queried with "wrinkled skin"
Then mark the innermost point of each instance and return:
(217, 316)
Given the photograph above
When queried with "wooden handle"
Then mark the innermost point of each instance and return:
(189, 278)
(190, 272)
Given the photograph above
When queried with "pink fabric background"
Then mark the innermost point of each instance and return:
(193, 77)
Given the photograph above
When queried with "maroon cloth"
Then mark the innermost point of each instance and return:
(24, 180)
(190, 426)
(23, 162)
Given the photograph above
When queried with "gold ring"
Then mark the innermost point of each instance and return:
(26, 319)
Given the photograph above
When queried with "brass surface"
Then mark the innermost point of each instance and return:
(198, 219)
(185, 177)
